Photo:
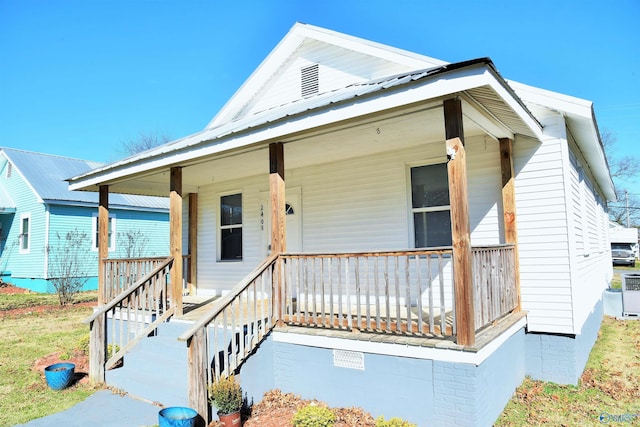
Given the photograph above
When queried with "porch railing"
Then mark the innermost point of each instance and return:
(400, 292)
(121, 273)
(391, 292)
(494, 282)
(219, 342)
(130, 316)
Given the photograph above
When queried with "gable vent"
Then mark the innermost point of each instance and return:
(309, 80)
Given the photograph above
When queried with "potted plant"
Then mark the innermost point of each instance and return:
(226, 395)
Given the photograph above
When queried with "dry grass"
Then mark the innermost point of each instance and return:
(608, 390)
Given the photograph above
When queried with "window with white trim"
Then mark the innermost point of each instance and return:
(430, 206)
(231, 227)
(25, 233)
(96, 233)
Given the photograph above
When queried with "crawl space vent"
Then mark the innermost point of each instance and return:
(348, 359)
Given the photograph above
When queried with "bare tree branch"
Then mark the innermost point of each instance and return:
(143, 142)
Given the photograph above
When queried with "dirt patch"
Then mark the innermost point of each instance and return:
(14, 312)
(8, 288)
(79, 358)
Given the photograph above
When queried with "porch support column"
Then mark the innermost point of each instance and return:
(175, 237)
(276, 190)
(103, 242)
(460, 230)
(509, 206)
(278, 224)
(98, 330)
(193, 241)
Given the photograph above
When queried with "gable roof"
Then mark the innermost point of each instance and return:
(293, 42)
(247, 120)
(46, 175)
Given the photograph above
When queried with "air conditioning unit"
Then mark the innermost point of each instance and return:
(631, 295)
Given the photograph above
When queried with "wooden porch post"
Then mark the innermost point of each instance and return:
(97, 331)
(276, 189)
(197, 371)
(278, 224)
(103, 241)
(460, 230)
(175, 237)
(193, 240)
(509, 206)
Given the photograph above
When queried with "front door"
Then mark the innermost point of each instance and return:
(293, 210)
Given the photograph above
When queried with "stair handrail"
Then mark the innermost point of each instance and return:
(150, 301)
(243, 339)
(227, 299)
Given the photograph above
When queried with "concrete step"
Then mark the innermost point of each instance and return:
(156, 368)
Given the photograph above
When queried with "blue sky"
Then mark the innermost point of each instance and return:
(79, 77)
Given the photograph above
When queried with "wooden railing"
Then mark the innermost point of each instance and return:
(408, 292)
(494, 283)
(400, 292)
(220, 341)
(130, 316)
(120, 273)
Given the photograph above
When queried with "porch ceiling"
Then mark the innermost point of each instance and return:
(388, 132)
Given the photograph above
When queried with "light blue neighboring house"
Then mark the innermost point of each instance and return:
(37, 213)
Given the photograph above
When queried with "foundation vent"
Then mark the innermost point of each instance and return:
(348, 359)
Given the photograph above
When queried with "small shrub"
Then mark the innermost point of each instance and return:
(226, 395)
(314, 416)
(83, 344)
(393, 422)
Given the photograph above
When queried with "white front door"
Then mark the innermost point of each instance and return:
(293, 210)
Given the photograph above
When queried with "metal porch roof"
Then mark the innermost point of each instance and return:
(494, 104)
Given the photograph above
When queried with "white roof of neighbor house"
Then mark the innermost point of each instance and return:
(234, 127)
(47, 174)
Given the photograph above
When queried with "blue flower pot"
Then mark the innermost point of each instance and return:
(177, 416)
(60, 375)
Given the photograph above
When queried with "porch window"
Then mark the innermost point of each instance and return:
(25, 224)
(96, 234)
(231, 227)
(430, 206)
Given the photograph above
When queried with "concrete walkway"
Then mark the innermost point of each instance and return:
(105, 409)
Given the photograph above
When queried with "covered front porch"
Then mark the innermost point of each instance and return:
(450, 293)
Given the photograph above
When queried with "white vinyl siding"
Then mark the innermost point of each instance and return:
(592, 267)
(543, 229)
(351, 205)
(337, 68)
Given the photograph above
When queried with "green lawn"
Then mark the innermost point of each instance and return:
(616, 282)
(25, 338)
(609, 386)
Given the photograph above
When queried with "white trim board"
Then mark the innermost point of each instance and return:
(401, 350)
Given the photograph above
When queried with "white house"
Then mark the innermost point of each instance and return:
(388, 230)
